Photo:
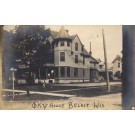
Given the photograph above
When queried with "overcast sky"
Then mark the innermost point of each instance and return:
(93, 34)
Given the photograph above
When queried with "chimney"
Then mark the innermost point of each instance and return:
(90, 53)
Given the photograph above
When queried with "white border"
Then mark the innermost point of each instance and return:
(52, 12)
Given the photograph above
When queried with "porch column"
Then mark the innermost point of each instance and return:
(46, 73)
(59, 72)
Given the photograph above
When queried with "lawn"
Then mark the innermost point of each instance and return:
(76, 91)
(92, 91)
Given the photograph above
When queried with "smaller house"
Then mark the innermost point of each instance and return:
(117, 67)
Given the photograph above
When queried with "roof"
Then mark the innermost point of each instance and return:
(108, 64)
(54, 33)
(85, 52)
(117, 58)
(98, 59)
(73, 36)
(62, 34)
(93, 60)
(101, 63)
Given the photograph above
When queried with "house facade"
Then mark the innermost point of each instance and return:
(71, 61)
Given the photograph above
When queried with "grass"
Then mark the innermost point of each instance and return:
(80, 92)
(92, 92)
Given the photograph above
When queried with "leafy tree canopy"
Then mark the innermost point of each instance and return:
(31, 44)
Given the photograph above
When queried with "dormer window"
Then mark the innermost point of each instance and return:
(62, 43)
(76, 46)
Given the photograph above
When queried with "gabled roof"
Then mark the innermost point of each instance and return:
(73, 37)
(117, 58)
(92, 59)
(85, 52)
(62, 34)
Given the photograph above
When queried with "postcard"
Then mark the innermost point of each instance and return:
(53, 67)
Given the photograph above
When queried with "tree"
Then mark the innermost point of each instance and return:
(31, 47)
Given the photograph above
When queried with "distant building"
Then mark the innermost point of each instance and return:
(114, 69)
(117, 67)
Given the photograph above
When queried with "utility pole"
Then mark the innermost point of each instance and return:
(106, 66)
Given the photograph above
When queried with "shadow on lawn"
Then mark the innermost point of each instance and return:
(92, 92)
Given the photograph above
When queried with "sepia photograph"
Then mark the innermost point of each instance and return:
(67, 67)
(54, 67)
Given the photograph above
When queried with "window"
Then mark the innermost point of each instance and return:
(83, 72)
(83, 61)
(62, 56)
(75, 72)
(82, 48)
(68, 71)
(118, 65)
(76, 46)
(62, 43)
(76, 58)
(68, 44)
(62, 71)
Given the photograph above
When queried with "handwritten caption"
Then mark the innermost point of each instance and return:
(68, 105)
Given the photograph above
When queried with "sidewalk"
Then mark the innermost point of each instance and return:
(88, 84)
(71, 89)
(42, 93)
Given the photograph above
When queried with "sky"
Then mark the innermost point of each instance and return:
(93, 34)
